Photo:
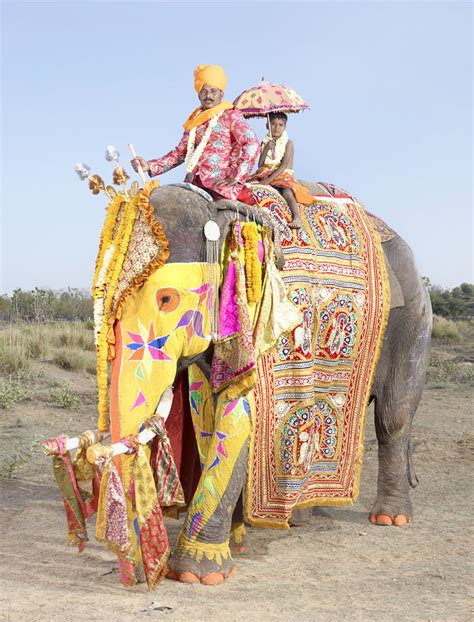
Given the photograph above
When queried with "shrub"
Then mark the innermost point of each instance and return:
(71, 359)
(73, 335)
(13, 358)
(65, 397)
(18, 345)
(12, 391)
(446, 330)
(464, 374)
(91, 368)
(9, 466)
(439, 370)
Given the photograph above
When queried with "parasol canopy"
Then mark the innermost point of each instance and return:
(266, 98)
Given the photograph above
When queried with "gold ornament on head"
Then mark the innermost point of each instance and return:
(120, 176)
(96, 184)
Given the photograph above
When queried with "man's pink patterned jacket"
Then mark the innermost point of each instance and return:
(231, 152)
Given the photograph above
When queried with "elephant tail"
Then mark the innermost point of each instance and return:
(411, 474)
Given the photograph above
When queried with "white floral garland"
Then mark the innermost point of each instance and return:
(99, 302)
(280, 148)
(193, 155)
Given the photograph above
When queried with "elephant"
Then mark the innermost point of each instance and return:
(396, 388)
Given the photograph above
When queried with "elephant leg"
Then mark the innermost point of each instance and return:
(203, 553)
(393, 505)
(238, 530)
(397, 390)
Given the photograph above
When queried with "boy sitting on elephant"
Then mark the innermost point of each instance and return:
(275, 167)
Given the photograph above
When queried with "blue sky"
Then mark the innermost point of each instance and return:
(389, 83)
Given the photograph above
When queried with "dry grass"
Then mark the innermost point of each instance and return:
(447, 331)
(452, 356)
(13, 358)
(73, 359)
(70, 345)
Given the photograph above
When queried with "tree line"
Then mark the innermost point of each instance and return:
(452, 304)
(43, 305)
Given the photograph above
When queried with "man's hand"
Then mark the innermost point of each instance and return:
(140, 161)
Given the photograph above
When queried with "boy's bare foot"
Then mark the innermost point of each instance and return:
(295, 223)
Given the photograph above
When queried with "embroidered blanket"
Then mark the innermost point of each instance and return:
(313, 388)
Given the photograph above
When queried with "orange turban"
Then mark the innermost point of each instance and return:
(209, 74)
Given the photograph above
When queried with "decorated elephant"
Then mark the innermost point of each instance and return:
(274, 369)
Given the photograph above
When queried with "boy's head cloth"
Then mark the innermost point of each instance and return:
(209, 74)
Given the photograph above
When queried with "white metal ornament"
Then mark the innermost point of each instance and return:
(212, 231)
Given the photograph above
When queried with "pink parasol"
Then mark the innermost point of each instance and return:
(260, 100)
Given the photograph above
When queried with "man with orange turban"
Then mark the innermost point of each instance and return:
(218, 147)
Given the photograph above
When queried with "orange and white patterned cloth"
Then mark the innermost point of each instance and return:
(312, 390)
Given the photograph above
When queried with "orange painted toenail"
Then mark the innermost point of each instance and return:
(171, 574)
(400, 520)
(384, 519)
(373, 519)
(188, 577)
(214, 578)
(232, 572)
(238, 548)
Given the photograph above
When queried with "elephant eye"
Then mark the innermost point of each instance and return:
(168, 299)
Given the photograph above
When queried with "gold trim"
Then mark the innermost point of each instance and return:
(199, 550)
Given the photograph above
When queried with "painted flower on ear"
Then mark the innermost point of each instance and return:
(205, 293)
(192, 321)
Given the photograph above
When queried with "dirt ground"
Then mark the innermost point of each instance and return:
(338, 567)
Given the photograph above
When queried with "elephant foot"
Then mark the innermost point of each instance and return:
(391, 510)
(237, 549)
(213, 578)
(386, 520)
(301, 516)
(237, 538)
(199, 562)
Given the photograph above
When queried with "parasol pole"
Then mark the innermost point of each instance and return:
(268, 115)
(140, 170)
(269, 126)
